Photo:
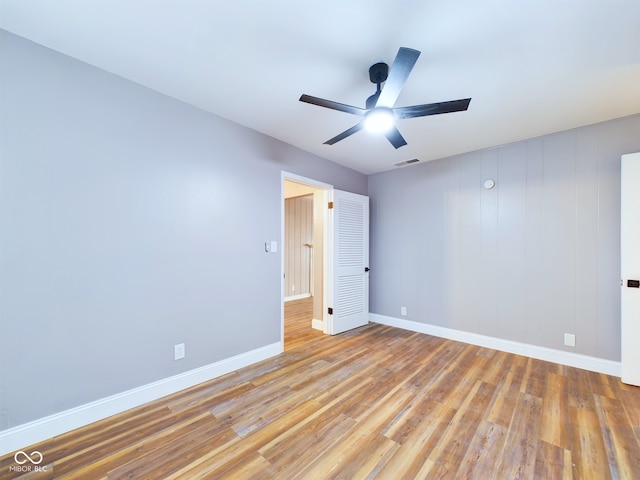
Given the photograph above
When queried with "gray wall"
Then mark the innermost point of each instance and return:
(129, 222)
(531, 259)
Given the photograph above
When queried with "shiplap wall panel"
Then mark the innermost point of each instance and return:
(587, 246)
(470, 248)
(534, 308)
(488, 220)
(511, 241)
(559, 237)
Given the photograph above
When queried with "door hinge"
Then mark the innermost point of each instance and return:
(330, 206)
(330, 311)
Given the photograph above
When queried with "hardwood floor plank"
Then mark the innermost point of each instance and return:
(579, 391)
(409, 420)
(75, 467)
(587, 446)
(631, 402)
(291, 452)
(535, 377)
(347, 393)
(251, 466)
(549, 461)
(209, 400)
(227, 456)
(604, 385)
(368, 461)
(376, 402)
(452, 445)
(507, 392)
(484, 452)
(161, 462)
(145, 420)
(417, 438)
(327, 409)
(619, 439)
(555, 422)
(518, 456)
(351, 450)
(494, 366)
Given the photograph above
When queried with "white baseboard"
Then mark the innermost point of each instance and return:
(317, 324)
(297, 297)
(594, 364)
(48, 427)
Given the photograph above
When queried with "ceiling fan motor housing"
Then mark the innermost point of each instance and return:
(378, 72)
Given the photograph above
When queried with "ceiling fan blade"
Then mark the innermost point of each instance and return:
(400, 70)
(345, 134)
(395, 138)
(432, 108)
(321, 102)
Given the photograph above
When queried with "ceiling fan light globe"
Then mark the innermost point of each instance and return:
(379, 120)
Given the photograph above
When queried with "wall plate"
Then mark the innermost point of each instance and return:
(489, 184)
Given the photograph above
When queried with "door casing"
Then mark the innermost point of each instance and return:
(328, 326)
(324, 195)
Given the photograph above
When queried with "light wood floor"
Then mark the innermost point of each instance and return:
(376, 402)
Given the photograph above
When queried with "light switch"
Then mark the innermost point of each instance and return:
(271, 246)
(178, 351)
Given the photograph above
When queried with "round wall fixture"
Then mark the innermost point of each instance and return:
(489, 184)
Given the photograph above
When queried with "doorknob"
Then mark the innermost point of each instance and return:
(633, 283)
(366, 269)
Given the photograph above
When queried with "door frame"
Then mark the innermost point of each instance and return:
(327, 280)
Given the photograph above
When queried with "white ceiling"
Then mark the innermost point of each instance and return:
(531, 66)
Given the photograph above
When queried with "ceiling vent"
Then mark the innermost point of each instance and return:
(406, 162)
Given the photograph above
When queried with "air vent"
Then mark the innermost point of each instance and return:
(406, 162)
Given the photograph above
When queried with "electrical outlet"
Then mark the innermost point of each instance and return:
(178, 351)
(569, 339)
(403, 311)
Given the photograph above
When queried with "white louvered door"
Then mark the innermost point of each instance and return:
(630, 268)
(350, 265)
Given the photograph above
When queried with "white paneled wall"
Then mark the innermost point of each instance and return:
(298, 247)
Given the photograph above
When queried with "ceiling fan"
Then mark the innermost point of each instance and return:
(380, 114)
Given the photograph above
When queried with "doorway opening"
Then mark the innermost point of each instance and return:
(304, 203)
